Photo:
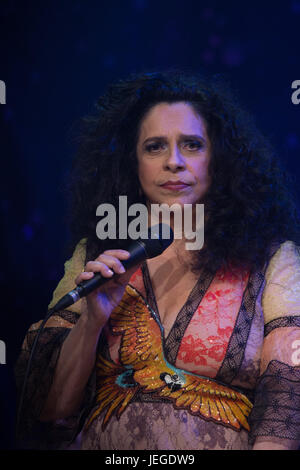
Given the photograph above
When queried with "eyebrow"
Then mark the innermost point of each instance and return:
(182, 136)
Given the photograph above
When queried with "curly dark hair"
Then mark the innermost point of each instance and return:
(249, 205)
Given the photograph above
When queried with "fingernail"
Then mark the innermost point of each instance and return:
(122, 269)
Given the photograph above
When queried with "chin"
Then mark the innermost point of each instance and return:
(170, 202)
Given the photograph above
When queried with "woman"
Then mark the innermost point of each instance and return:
(172, 354)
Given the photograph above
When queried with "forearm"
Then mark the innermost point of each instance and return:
(266, 445)
(74, 367)
(275, 443)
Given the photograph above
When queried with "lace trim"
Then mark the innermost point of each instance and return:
(174, 338)
(31, 431)
(237, 344)
(238, 340)
(281, 322)
(276, 410)
(236, 347)
(34, 434)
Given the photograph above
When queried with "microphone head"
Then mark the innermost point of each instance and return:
(158, 238)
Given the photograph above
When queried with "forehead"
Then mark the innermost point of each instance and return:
(164, 118)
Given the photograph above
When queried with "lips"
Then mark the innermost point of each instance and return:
(174, 185)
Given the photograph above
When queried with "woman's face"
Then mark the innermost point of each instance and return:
(173, 153)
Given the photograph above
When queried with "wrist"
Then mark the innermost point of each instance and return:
(91, 325)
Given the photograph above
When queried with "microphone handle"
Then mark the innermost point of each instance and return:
(138, 254)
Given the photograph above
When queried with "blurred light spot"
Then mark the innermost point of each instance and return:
(214, 40)
(295, 7)
(35, 76)
(81, 46)
(4, 205)
(208, 56)
(293, 141)
(7, 113)
(233, 55)
(112, 145)
(109, 61)
(27, 232)
(37, 217)
(207, 13)
(140, 4)
(221, 21)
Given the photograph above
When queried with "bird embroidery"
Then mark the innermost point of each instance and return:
(144, 368)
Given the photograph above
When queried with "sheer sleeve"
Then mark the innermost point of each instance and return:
(276, 413)
(32, 433)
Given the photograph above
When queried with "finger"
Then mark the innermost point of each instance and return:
(84, 276)
(122, 254)
(129, 272)
(99, 267)
(124, 278)
(112, 262)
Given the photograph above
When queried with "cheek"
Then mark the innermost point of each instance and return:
(201, 172)
(147, 173)
(142, 173)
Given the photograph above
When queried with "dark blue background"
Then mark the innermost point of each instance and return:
(56, 59)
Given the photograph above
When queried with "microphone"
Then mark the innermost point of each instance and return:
(158, 238)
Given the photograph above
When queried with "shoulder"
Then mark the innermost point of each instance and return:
(77, 260)
(281, 294)
(73, 267)
(284, 262)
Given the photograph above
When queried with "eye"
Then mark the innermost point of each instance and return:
(154, 147)
(193, 145)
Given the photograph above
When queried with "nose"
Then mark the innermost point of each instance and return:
(174, 161)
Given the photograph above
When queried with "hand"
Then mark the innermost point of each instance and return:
(103, 300)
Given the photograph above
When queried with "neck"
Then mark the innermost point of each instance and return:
(187, 225)
(176, 256)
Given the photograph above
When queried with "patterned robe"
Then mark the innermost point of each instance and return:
(237, 328)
